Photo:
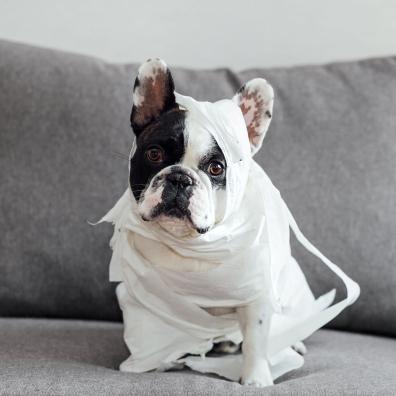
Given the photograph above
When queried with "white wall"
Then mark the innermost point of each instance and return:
(207, 33)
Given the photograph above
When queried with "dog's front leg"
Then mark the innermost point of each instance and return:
(255, 320)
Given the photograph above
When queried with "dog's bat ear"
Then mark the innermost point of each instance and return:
(153, 93)
(256, 100)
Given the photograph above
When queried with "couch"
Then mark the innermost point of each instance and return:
(64, 142)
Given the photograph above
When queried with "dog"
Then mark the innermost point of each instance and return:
(178, 178)
(201, 242)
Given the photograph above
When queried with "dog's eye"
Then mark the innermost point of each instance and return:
(216, 168)
(155, 154)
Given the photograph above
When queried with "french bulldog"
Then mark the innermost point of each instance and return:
(178, 178)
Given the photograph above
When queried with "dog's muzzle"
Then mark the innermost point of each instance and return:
(178, 189)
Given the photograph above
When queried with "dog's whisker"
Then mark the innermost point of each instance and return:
(119, 155)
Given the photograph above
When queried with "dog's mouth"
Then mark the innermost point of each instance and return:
(172, 206)
(176, 211)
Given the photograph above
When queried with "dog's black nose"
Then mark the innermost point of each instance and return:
(180, 179)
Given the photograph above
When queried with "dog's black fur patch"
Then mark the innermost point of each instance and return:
(166, 132)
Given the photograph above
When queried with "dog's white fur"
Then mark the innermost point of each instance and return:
(256, 102)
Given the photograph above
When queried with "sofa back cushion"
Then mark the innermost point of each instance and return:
(64, 142)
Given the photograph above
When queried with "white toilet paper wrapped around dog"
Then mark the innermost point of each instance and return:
(164, 319)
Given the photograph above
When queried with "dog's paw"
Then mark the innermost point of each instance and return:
(300, 348)
(258, 375)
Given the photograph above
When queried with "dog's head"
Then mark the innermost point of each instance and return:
(178, 173)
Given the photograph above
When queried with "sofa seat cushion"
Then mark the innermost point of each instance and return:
(65, 357)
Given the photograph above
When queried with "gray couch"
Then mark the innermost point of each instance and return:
(64, 138)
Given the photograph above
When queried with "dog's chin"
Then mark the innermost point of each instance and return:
(177, 224)
(178, 227)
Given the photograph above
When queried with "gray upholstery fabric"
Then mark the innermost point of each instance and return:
(331, 150)
(61, 116)
(55, 357)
